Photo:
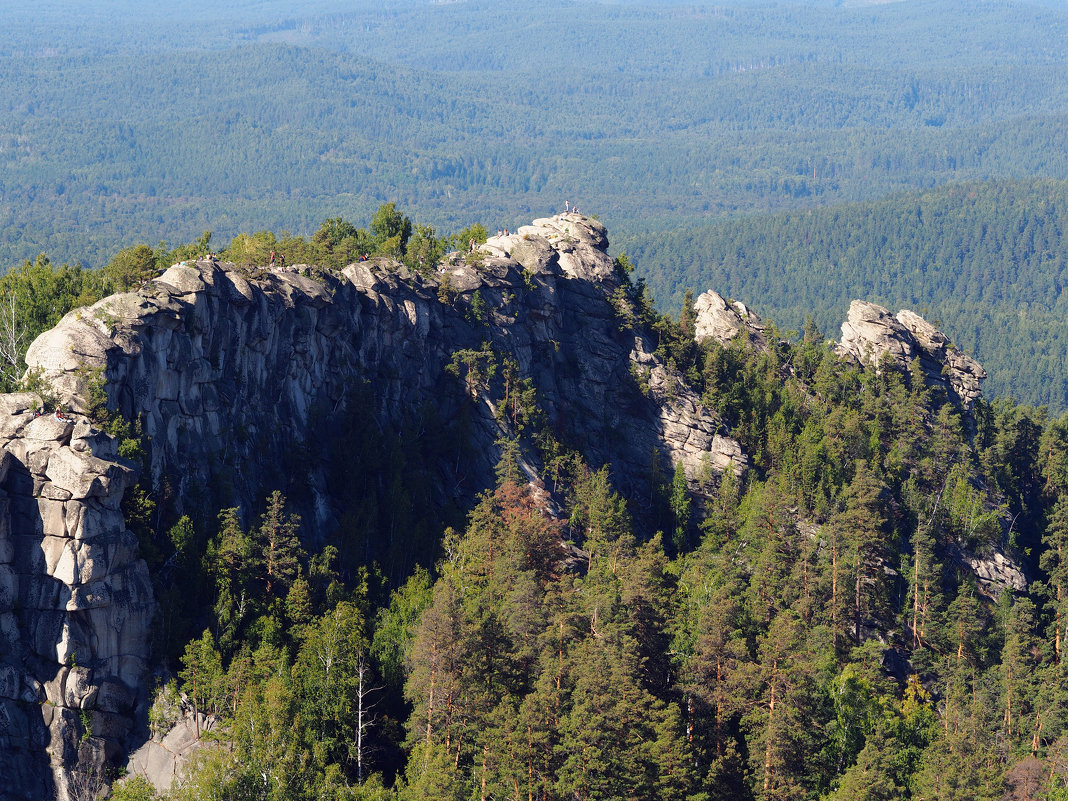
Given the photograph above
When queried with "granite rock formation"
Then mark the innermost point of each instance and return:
(715, 318)
(75, 604)
(233, 371)
(874, 337)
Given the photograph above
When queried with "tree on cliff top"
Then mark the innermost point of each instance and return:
(391, 230)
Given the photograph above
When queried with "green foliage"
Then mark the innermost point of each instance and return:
(202, 674)
(390, 230)
(475, 367)
(424, 249)
(134, 788)
(680, 507)
(130, 268)
(462, 240)
(166, 709)
(251, 250)
(395, 625)
(34, 382)
(478, 311)
(33, 298)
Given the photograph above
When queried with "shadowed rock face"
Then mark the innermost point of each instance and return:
(75, 603)
(230, 373)
(875, 337)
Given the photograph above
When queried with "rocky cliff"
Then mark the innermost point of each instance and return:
(234, 374)
(75, 604)
(875, 337)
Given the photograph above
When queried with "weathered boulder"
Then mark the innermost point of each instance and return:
(716, 319)
(876, 338)
(942, 362)
(163, 757)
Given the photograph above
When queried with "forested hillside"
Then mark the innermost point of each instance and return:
(839, 622)
(989, 260)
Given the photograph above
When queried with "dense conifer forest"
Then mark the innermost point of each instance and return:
(123, 123)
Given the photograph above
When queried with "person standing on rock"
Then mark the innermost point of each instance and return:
(567, 205)
(272, 259)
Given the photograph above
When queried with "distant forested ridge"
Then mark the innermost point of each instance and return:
(987, 260)
(121, 124)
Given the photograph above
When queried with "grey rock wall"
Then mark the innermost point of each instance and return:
(75, 604)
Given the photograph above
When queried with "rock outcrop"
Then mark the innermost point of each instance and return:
(875, 337)
(75, 603)
(994, 574)
(239, 379)
(716, 319)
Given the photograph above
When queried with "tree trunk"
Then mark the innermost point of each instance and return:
(770, 733)
(834, 591)
(719, 706)
(916, 597)
(430, 706)
(482, 793)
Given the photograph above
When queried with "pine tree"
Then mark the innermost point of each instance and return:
(1018, 668)
(1054, 561)
(202, 676)
(680, 508)
(771, 530)
(780, 722)
(230, 562)
(862, 526)
(277, 544)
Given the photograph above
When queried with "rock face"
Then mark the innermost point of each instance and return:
(75, 603)
(232, 373)
(718, 320)
(994, 574)
(875, 337)
(163, 758)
